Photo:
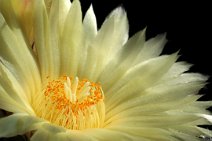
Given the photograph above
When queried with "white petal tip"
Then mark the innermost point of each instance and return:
(208, 117)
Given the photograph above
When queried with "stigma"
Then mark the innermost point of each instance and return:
(72, 103)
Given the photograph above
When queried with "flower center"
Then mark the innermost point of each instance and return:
(71, 103)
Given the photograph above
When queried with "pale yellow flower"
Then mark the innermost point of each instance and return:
(80, 83)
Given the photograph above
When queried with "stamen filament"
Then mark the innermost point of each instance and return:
(71, 103)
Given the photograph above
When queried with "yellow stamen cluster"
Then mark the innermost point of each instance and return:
(71, 103)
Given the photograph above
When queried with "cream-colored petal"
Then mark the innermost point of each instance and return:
(46, 38)
(90, 25)
(9, 104)
(155, 96)
(134, 52)
(110, 38)
(17, 124)
(138, 79)
(150, 133)
(152, 48)
(6, 9)
(13, 89)
(71, 40)
(156, 120)
(117, 67)
(64, 6)
(193, 130)
(184, 136)
(50, 132)
(107, 134)
(54, 20)
(154, 109)
(206, 132)
(19, 61)
(18, 12)
(43, 134)
(177, 69)
(208, 117)
(182, 79)
(89, 34)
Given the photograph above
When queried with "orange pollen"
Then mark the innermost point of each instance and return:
(74, 98)
(71, 103)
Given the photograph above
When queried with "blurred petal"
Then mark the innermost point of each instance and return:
(18, 124)
(54, 133)
(105, 134)
(18, 13)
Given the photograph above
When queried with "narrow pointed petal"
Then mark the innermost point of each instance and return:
(89, 34)
(46, 43)
(152, 48)
(139, 78)
(152, 133)
(19, 61)
(117, 67)
(151, 99)
(10, 87)
(90, 25)
(71, 40)
(115, 27)
(177, 69)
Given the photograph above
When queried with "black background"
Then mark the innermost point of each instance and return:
(187, 25)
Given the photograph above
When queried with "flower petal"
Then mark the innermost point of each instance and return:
(157, 99)
(152, 48)
(150, 133)
(50, 132)
(46, 42)
(10, 87)
(9, 104)
(18, 124)
(110, 38)
(71, 40)
(21, 12)
(19, 61)
(158, 120)
(138, 79)
(193, 130)
(90, 32)
(90, 25)
(184, 136)
(117, 67)
(7, 11)
(64, 6)
(208, 117)
(135, 51)
(177, 69)
(104, 134)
